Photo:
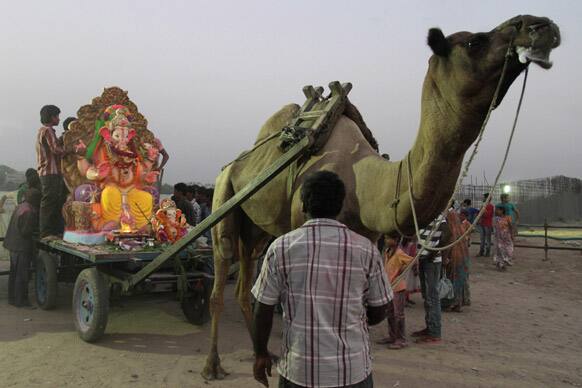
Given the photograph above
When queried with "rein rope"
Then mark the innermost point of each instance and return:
(464, 174)
(260, 143)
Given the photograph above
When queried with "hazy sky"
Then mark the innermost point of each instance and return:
(207, 74)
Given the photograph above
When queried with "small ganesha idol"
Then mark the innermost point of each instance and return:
(169, 223)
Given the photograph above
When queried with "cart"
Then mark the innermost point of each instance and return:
(100, 273)
(97, 271)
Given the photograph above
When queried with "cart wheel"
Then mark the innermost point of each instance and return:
(46, 281)
(196, 305)
(90, 304)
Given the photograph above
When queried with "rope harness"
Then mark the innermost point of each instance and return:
(461, 238)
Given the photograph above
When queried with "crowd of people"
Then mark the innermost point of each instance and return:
(443, 276)
(195, 202)
(499, 221)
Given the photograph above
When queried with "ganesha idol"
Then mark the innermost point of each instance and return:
(119, 171)
(169, 224)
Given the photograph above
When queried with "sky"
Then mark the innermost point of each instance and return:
(207, 74)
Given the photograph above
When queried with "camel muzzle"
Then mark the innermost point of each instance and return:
(535, 42)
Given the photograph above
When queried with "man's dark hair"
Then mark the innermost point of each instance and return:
(32, 178)
(68, 121)
(181, 187)
(204, 193)
(47, 112)
(467, 202)
(32, 196)
(485, 195)
(323, 194)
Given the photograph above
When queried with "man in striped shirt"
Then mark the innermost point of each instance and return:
(49, 152)
(435, 235)
(332, 285)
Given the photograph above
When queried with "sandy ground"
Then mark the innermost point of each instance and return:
(523, 330)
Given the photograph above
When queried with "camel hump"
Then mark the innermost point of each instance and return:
(352, 113)
(278, 120)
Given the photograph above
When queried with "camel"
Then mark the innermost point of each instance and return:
(463, 74)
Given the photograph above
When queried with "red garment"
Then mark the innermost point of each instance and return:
(487, 217)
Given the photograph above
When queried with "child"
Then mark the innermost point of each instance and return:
(395, 261)
(503, 239)
(22, 229)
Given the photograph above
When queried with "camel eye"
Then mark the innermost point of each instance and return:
(477, 42)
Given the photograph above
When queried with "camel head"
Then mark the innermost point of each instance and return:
(466, 67)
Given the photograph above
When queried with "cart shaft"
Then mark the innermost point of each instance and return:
(251, 188)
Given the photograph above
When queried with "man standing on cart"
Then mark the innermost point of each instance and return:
(49, 152)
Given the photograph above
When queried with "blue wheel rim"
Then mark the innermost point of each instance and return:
(85, 306)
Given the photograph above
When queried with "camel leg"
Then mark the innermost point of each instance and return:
(213, 370)
(224, 240)
(244, 284)
(252, 243)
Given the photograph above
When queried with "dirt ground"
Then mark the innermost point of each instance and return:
(522, 330)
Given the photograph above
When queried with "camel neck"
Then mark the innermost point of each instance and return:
(445, 133)
(447, 129)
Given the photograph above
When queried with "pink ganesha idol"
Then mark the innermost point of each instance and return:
(169, 223)
(113, 162)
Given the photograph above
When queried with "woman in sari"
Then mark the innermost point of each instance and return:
(457, 267)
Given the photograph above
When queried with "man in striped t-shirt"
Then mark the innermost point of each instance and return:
(435, 235)
(49, 152)
(332, 285)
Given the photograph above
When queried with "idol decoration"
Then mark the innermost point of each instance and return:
(169, 224)
(110, 171)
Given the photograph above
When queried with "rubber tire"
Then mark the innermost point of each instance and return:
(46, 264)
(196, 306)
(91, 277)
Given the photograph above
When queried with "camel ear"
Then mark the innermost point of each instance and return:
(438, 43)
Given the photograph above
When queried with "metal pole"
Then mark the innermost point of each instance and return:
(545, 239)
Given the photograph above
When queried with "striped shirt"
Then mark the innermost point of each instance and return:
(324, 275)
(434, 241)
(48, 152)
